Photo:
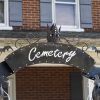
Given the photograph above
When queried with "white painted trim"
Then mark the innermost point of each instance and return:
(90, 86)
(49, 65)
(78, 13)
(7, 13)
(12, 87)
(97, 66)
(6, 28)
(70, 28)
(85, 88)
(65, 2)
(76, 28)
(5, 25)
(53, 11)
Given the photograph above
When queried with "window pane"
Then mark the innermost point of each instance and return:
(66, 0)
(1, 11)
(65, 14)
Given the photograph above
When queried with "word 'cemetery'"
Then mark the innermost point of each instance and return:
(56, 53)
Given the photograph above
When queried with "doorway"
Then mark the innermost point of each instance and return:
(49, 83)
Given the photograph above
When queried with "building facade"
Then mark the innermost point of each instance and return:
(71, 15)
(47, 81)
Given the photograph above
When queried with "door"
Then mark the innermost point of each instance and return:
(76, 86)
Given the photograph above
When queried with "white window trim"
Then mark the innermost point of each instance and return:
(12, 87)
(76, 28)
(5, 25)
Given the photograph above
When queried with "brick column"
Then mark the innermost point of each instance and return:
(31, 14)
(96, 15)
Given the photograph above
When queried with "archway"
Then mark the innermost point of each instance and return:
(54, 53)
(50, 52)
(46, 81)
(46, 53)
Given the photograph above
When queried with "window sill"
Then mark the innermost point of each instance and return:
(70, 28)
(73, 29)
(6, 28)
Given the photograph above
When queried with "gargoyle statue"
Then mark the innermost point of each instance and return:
(96, 90)
(53, 33)
(96, 50)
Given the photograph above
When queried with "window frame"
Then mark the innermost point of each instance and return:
(77, 16)
(5, 25)
(2, 24)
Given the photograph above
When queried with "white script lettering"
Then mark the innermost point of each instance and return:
(56, 54)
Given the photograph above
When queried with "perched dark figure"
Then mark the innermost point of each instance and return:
(96, 93)
(96, 90)
(53, 33)
(96, 50)
(6, 48)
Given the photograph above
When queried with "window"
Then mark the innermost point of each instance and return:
(1, 11)
(66, 14)
(4, 19)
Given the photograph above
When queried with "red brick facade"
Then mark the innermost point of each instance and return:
(44, 83)
(31, 15)
(96, 15)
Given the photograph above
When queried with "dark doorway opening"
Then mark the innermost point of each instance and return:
(49, 83)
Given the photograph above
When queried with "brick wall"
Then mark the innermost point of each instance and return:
(96, 15)
(31, 15)
(43, 83)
